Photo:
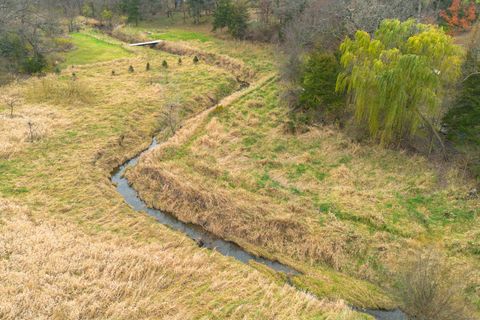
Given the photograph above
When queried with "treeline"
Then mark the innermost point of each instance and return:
(27, 35)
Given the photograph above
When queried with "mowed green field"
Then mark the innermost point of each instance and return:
(90, 49)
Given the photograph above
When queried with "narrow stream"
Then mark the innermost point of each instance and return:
(201, 236)
(208, 240)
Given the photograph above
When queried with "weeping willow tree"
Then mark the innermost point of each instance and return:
(396, 80)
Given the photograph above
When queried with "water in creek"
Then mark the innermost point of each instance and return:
(384, 314)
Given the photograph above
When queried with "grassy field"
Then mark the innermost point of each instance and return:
(313, 200)
(259, 57)
(69, 246)
(90, 49)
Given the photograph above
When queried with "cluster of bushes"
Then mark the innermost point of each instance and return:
(31, 35)
(233, 16)
(19, 56)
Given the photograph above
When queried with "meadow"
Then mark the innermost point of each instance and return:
(69, 246)
(316, 200)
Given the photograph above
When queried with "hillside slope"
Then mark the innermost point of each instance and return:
(69, 245)
(311, 200)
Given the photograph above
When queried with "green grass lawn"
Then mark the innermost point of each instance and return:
(90, 49)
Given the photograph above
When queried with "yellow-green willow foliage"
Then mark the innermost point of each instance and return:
(396, 80)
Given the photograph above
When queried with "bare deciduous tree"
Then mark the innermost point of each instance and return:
(11, 101)
(169, 118)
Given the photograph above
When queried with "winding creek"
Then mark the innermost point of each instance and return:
(208, 240)
(197, 233)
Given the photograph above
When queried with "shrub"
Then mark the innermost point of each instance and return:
(35, 64)
(318, 81)
(63, 44)
(233, 16)
(463, 122)
(259, 31)
(432, 288)
(460, 15)
(12, 49)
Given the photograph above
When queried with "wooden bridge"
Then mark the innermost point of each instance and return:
(143, 44)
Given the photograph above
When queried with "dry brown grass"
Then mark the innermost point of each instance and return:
(432, 287)
(53, 271)
(72, 91)
(232, 214)
(30, 123)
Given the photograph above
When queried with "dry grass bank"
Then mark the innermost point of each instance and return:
(317, 198)
(73, 249)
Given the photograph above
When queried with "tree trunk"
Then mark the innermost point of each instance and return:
(435, 132)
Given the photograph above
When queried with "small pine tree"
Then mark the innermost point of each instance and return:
(179, 61)
(195, 60)
(57, 70)
(165, 67)
(148, 66)
(130, 69)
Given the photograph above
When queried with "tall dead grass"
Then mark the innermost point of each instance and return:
(53, 271)
(55, 90)
(231, 214)
(29, 123)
